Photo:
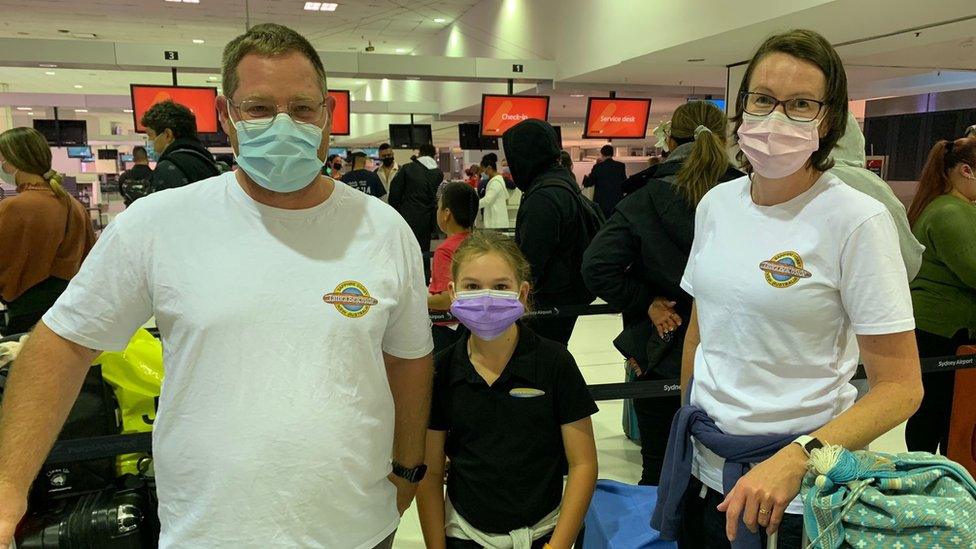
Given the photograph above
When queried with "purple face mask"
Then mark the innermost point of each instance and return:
(487, 313)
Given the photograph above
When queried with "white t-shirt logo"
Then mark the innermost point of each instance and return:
(784, 270)
(351, 299)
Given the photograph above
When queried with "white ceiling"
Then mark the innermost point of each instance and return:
(390, 24)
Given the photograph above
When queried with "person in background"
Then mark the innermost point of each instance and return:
(495, 202)
(551, 226)
(566, 161)
(45, 234)
(512, 412)
(295, 326)
(607, 178)
(636, 261)
(456, 212)
(413, 193)
(333, 167)
(474, 176)
(225, 162)
(849, 161)
(362, 179)
(794, 275)
(388, 168)
(943, 217)
(136, 182)
(181, 158)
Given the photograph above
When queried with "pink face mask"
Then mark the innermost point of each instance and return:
(777, 146)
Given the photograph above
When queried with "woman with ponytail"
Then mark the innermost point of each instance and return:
(943, 218)
(44, 233)
(636, 261)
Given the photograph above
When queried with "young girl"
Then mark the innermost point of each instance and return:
(456, 212)
(511, 411)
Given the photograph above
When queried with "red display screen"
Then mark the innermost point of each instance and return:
(501, 112)
(202, 101)
(616, 118)
(340, 116)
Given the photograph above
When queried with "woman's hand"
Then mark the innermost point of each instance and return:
(663, 315)
(761, 497)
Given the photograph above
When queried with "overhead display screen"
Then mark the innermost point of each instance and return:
(501, 112)
(340, 116)
(616, 118)
(200, 100)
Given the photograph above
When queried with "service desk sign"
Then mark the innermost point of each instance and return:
(616, 118)
(501, 112)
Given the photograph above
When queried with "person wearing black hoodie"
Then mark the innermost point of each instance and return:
(550, 226)
(413, 193)
(181, 158)
(636, 261)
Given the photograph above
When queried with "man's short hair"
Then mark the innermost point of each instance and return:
(606, 150)
(385, 146)
(173, 116)
(139, 153)
(267, 40)
(428, 149)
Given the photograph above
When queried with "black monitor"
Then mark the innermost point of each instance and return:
(62, 133)
(410, 136)
(108, 154)
(83, 151)
(471, 139)
(126, 158)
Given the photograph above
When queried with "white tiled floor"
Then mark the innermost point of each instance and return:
(619, 458)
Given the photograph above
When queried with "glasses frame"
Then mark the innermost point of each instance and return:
(325, 112)
(744, 99)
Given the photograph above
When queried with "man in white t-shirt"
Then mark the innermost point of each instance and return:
(295, 329)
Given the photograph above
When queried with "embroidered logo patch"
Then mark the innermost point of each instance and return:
(351, 299)
(526, 392)
(784, 270)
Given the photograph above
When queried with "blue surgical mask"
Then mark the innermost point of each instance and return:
(279, 154)
(151, 151)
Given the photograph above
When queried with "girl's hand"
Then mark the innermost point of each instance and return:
(663, 315)
(761, 497)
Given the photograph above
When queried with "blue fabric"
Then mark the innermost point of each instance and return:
(739, 452)
(617, 518)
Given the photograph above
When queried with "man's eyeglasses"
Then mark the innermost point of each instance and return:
(799, 109)
(300, 110)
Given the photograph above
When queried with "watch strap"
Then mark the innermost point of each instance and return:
(412, 475)
(808, 443)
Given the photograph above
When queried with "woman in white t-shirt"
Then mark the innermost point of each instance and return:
(495, 202)
(793, 273)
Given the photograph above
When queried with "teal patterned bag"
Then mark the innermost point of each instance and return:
(869, 500)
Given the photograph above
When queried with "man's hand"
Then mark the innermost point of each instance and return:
(13, 505)
(663, 315)
(406, 491)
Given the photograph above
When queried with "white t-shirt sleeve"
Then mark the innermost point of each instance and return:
(110, 297)
(873, 283)
(408, 332)
(687, 279)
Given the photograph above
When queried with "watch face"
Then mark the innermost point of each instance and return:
(814, 444)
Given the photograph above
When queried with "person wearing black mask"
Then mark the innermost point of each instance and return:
(333, 166)
(413, 193)
(554, 225)
(388, 168)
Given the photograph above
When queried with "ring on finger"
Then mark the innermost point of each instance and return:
(763, 511)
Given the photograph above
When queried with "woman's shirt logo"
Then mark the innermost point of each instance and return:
(784, 270)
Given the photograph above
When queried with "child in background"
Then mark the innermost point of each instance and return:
(511, 411)
(457, 209)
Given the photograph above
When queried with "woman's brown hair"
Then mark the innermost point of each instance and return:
(934, 181)
(809, 46)
(28, 151)
(485, 241)
(704, 124)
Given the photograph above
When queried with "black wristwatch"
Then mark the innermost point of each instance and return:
(809, 444)
(412, 476)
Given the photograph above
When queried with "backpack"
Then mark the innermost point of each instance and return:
(592, 219)
(868, 499)
(134, 189)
